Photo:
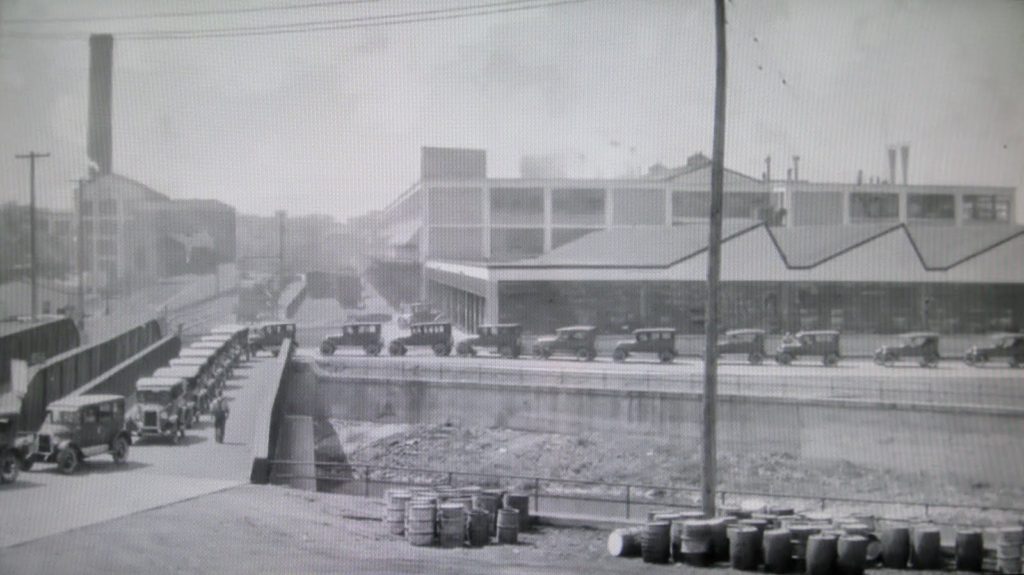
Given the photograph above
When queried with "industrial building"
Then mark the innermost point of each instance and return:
(624, 253)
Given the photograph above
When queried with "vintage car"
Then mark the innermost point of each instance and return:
(574, 340)
(200, 386)
(229, 346)
(821, 343)
(221, 362)
(208, 366)
(505, 338)
(78, 427)
(161, 409)
(661, 341)
(1005, 345)
(437, 336)
(747, 342)
(364, 335)
(14, 446)
(923, 345)
(269, 336)
(239, 335)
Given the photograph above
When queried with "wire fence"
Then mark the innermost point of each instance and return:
(628, 501)
(803, 383)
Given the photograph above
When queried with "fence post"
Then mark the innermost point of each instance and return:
(628, 489)
(536, 494)
(449, 479)
(822, 503)
(366, 481)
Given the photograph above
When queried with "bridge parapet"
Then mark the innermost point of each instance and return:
(268, 419)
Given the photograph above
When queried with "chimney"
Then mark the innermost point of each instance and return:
(904, 158)
(789, 174)
(101, 87)
(796, 168)
(768, 169)
(860, 177)
(892, 164)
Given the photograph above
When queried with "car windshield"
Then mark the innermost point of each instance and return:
(158, 396)
(64, 417)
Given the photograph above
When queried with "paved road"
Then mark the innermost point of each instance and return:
(43, 502)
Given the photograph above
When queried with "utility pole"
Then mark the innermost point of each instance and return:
(281, 215)
(81, 254)
(709, 403)
(31, 157)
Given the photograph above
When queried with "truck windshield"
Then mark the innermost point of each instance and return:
(158, 396)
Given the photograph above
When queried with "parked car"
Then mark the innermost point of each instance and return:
(222, 362)
(1004, 345)
(437, 336)
(364, 335)
(228, 345)
(212, 371)
(574, 340)
(79, 427)
(505, 338)
(419, 312)
(199, 386)
(161, 409)
(270, 335)
(923, 345)
(823, 343)
(239, 335)
(747, 342)
(661, 341)
(14, 446)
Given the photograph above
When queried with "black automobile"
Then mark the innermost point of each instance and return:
(436, 335)
(818, 343)
(746, 342)
(363, 334)
(923, 345)
(578, 341)
(661, 341)
(1003, 345)
(505, 338)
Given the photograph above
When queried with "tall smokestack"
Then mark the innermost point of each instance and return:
(892, 164)
(101, 88)
(904, 159)
(796, 168)
(768, 168)
(860, 177)
(789, 174)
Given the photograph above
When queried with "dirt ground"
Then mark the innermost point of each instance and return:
(649, 461)
(263, 529)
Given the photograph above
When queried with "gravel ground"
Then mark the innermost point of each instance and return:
(650, 461)
(261, 529)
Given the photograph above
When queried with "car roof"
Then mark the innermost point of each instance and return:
(500, 325)
(447, 323)
(655, 329)
(360, 323)
(178, 371)
(229, 329)
(818, 332)
(158, 382)
(76, 401)
(207, 345)
(197, 352)
(194, 360)
(920, 334)
(217, 337)
(577, 328)
(1006, 334)
(746, 331)
(276, 323)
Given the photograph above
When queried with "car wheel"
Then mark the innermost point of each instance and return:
(25, 464)
(755, 358)
(396, 349)
(119, 451)
(969, 359)
(889, 360)
(784, 358)
(666, 356)
(1016, 362)
(539, 353)
(831, 360)
(505, 351)
(441, 350)
(176, 436)
(67, 461)
(8, 467)
(371, 349)
(327, 348)
(619, 355)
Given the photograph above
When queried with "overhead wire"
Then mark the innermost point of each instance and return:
(186, 14)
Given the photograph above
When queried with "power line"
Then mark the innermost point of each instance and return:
(186, 14)
(320, 26)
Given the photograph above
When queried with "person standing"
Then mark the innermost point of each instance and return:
(220, 415)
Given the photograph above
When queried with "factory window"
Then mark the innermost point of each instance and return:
(521, 206)
(744, 204)
(865, 206)
(581, 206)
(986, 208)
(560, 237)
(638, 207)
(452, 206)
(690, 205)
(107, 207)
(514, 243)
(931, 206)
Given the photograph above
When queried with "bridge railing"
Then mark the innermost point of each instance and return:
(268, 418)
(629, 501)
(993, 394)
(122, 378)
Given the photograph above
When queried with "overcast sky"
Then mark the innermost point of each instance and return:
(332, 122)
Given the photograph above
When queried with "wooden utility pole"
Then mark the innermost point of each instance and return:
(31, 157)
(710, 398)
(81, 253)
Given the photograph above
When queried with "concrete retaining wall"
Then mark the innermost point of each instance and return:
(976, 444)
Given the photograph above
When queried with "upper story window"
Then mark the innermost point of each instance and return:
(583, 206)
(874, 206)
(931, 206)
(986, 208)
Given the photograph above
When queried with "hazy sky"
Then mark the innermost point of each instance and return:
(333, 121)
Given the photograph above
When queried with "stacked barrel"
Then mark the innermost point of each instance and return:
(778, 540)
(456, 517)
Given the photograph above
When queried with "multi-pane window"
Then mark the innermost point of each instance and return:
(521, 206)
(986, 208)
(874, 206)
(580, 206)
(931, 206)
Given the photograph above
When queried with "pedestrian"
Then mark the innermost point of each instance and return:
(220, 415)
